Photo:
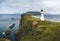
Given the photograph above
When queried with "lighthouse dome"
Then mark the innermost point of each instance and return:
(41, 10)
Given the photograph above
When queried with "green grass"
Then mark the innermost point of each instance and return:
(45, 30)
(3, 39)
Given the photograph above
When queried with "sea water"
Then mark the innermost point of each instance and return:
(49, 17)
(6, 20)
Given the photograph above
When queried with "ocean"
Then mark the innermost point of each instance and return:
(53, 18)
(7, 19)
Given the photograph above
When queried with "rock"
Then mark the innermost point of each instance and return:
(7, 33)
(11, 26)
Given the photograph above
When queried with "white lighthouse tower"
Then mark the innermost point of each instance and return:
(42, 15)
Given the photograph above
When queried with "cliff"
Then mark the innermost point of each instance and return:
(33, 29)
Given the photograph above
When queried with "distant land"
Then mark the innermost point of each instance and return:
(33, 12)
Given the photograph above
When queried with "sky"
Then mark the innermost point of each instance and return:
(22, 6)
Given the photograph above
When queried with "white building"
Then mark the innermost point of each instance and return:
(37, 14)
(42, 15)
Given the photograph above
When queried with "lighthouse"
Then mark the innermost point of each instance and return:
(42, 15)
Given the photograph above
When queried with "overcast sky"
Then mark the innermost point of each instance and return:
(20, 6)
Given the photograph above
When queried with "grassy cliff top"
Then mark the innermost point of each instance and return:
(33, 29)
(3, 39)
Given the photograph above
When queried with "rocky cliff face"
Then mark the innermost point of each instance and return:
(33, 29)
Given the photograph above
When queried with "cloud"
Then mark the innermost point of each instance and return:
(20, 6)
(52, 6)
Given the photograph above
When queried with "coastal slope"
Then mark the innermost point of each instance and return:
(4, 39)
(33, 29)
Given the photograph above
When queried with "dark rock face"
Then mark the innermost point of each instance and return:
(7, 32)
(11, 26)
(34, 24)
